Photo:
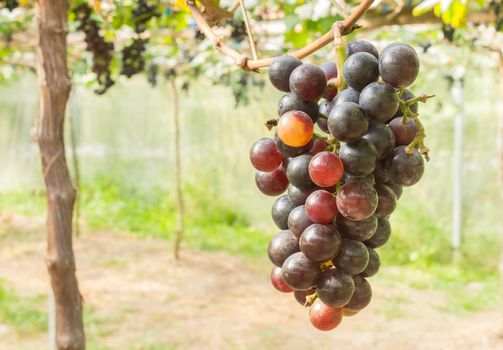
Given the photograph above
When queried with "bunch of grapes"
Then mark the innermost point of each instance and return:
(342, 183)
(10, 4)
(102, 51)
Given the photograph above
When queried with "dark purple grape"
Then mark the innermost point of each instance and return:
(308, 82)
(281, 246)
(404, 133)
(404, 169)
(289, 151)
(407, 95)
(290, 102)
(357, 230)
(298, 196)
(320, 242)
(330, 70)
(298, 221)
(353, 257)
(318, 147)
(357, 200)
(386, 203)
(359, 157)
(395, 188)
(382, 137)
(373, 265)
(334, 287)
(272, 183)
(322, 124)
(379, 101)
(280, 211)
(298, 172)
(264, 155)
(348, 95)
(399, 65)
(360, 69)
(382, 234)
(361, 46)
(301, 295)
(362, 295)
(347, 122)
(380, 173)
(281, 69)
(325, 107)
(299, 272)
(368, 179)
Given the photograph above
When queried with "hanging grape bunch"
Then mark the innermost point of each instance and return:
(343, 183)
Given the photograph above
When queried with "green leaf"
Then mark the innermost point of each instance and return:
(424, 7)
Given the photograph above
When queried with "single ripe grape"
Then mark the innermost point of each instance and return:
(382, 234)
(395, 188)
(361, 46)
(322, 124)
(382, 138)
(399, 65)
(330, 71)
(326, 169)
(277, 281)
(386, 203)
(282, 245)
(407, 95)
(264, 155)
(373, 265)
(289, 151)
(379, 101)
(404, 169)
(299, 272)
(298, 221)
(301, 295)
(348, 95)
(380, 173)
(295, 128)
(281, 208)
(318, 146)
(320, 242)
(358, 157)
(280, 70)
(321, 207)
(298, 196)
(324, 317)
(360, 69)
(347, 122)
(272, 183)
(335, 288)
(362, 295)
(357, 230)
(368, 179)
(308, 82)
(404, 133)
(353, 257)
(356, 201)
(298, 172)
(290, 102)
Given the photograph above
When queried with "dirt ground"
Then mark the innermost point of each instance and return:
(140, 298)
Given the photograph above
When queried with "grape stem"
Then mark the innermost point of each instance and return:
(418, 141)
(310, 299)
(340, 54)
(346, 27)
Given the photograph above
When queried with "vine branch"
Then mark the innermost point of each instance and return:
(249, 31)
(345, 26)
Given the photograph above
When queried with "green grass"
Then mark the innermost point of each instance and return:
(25, 314)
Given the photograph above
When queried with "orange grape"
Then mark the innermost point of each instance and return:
(295, 128)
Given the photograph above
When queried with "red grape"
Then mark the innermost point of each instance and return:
(318, 146)
(264, 155)
(330, 70)
(298, 221)
(321, 207)
(272, 183)
(404, 133)
(277, 281)
(356, 200)
(326, 169)
(324, 317)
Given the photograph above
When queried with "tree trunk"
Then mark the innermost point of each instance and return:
(178, 172)
(54, 88)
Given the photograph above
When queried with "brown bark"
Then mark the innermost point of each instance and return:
(178, 173)
(54, 88)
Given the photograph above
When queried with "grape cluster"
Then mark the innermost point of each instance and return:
(102, 51)
(343, 184)
(10, 4)
(133, 61)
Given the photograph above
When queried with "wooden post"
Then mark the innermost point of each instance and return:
(54, 88)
